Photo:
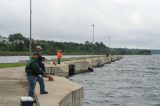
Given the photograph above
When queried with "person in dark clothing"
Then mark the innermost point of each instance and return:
(40, 58)
(33, 72)
(41, 64)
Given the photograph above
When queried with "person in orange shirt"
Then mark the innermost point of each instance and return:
(59, 55)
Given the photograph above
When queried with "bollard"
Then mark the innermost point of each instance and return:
(26, 101)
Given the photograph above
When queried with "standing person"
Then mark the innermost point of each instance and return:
(40, 59)
(33, 71)
(59, 55)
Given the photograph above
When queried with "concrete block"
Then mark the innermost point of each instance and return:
(81, 66)
(95, 62)
(67, 100)
(58, 70)
(101, 62)
(78, 96)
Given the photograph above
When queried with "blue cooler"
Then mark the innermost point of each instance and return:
(26, 101)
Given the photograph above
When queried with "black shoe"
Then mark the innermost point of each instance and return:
(44, 92)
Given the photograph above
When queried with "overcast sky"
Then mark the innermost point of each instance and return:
(129, 23)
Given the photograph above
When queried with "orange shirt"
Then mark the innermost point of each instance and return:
(59, 54)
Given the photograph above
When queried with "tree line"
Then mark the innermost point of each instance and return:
(126, 51)
(19, 45)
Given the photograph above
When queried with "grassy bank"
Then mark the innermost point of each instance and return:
(9, 65)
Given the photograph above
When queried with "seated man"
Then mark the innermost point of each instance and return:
(33, 72)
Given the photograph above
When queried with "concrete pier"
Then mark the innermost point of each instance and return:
(13, 85)
(62, 91)
(77, 66)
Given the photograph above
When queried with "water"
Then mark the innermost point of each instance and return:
(13, 59)
(131, 81)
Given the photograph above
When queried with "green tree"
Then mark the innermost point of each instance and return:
(17, 36)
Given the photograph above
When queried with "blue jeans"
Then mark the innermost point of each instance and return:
(32, 83)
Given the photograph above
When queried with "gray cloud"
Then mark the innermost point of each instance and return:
(129, 23)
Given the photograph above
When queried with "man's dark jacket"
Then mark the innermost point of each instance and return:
(32, 68)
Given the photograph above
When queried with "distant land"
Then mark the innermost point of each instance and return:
(155, 51)
(16, 44)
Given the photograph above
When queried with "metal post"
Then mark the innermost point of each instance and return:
(92, 45)
(109, 45)
(30, 47)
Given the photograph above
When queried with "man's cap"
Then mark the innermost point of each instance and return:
(38, 47)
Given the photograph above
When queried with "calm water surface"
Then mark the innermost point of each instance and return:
(13, 59)
(131, 81)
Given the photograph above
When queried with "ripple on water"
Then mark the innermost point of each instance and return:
(131, 81)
